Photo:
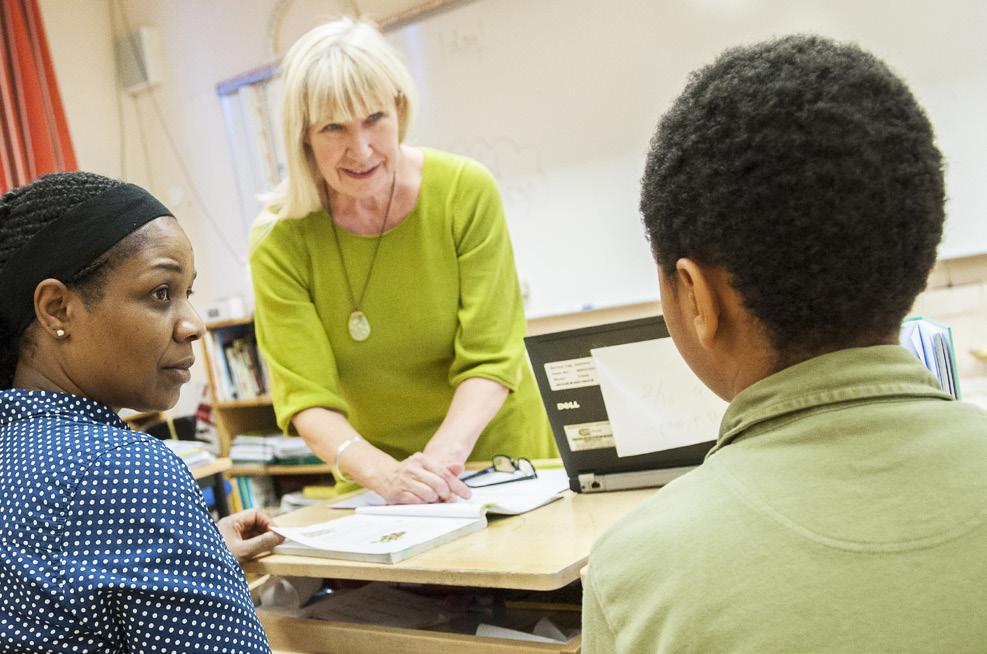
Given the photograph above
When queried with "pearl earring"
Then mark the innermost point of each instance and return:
(60, 333)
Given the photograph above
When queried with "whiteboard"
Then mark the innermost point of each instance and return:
(559, 99)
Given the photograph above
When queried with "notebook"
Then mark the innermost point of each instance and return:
(570, 388)
(375, 538)
(932, 344)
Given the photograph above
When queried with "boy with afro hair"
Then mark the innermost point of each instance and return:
(793, 198)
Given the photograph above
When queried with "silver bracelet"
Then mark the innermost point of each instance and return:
(337, 472)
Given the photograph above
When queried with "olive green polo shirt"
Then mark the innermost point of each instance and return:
(843, 509)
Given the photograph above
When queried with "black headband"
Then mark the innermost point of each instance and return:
(68, 244)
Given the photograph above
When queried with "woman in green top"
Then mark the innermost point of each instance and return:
(387, 303)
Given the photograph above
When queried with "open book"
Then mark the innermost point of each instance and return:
(385, 533)
(514, 498)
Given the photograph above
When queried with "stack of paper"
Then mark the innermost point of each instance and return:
(260, 449)
(252, 449)
(932, 344)
(193, 453)
(287, 448)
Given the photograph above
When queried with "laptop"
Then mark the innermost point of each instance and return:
(567, 379)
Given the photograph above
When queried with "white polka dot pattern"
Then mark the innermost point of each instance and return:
(105, 542)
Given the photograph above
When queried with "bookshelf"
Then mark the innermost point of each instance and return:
(304, 469)
(139, 420)
(237, 407)
(239, 385)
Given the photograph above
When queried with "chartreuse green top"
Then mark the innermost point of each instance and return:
(443, 303)
(843, 509)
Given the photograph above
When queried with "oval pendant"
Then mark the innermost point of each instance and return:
(359, 326)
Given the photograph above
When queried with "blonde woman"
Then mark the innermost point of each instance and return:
(387, 302)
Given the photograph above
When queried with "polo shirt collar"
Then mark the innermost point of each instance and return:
(853, 374)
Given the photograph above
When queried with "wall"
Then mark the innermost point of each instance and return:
(81, 44)
(956, 295)
(172, 139)
(560, 97)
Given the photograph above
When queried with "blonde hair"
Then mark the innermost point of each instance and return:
(340, 70)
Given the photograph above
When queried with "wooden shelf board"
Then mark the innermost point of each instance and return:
(233, 322)
(264, 400)
(309, 469)
(219, 465)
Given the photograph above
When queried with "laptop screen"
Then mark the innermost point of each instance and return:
(563, 366)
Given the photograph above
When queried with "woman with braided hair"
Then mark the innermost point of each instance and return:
(105, 542)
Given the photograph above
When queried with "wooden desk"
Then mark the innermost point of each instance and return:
(541, 550)
(212, 475)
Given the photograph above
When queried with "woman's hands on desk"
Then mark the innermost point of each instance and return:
(433, 474)
(422, 479)
(428, 476)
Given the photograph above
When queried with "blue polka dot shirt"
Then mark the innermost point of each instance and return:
(105, 542)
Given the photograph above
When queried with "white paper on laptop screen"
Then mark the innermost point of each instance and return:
(654, 401)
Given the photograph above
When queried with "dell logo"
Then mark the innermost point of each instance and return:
(562, 406)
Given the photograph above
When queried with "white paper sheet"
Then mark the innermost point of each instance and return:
(493, 631)
(654, 401)
(287, 594)
(510, 499)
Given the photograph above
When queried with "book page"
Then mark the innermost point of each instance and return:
(522, 496)
(508, 499)
(462, 509)
(910, 338)
(375, 535)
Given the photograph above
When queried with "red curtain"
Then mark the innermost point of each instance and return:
(34, 137)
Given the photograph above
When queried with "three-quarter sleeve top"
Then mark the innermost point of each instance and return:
(106, 544)
(443, 303)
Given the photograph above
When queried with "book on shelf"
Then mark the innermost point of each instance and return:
(255, 492)
(932, 344)
(383, 533)
(239, 369)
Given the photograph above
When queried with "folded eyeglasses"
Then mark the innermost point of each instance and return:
(503, 470)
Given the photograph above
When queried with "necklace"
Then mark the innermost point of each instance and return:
(358, 325)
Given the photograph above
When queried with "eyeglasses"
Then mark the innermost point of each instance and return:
(503, 470)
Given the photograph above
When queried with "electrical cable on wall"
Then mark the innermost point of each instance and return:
(120, 109)
(239, 258)
(274, 24)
